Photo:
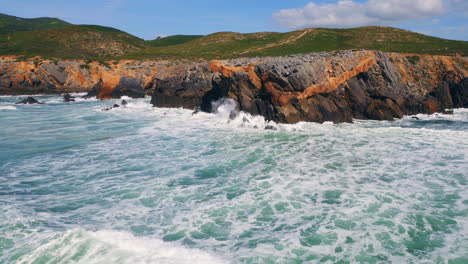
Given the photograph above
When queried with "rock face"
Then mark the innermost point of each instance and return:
(316, 87)
(322, 87)
(115, 89)
(40, 76)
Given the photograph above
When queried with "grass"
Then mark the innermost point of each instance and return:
(226, 45)
(51, 38)
(77, 41)
(10, 24)
(413, 59)
(172, 40)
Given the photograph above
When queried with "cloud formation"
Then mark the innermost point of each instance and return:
(348, 13)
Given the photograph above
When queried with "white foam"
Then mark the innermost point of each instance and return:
(268, 167)
(78, 246)
(8, 107)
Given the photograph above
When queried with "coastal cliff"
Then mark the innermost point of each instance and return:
(321, 87)
(41, 76)
(316, 87)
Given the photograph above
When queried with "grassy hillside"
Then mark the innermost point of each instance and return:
(14, 24)
(77, 41)
(172, 40)
(49, 37)
(231, 45)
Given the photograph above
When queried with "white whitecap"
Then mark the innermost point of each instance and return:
(8, 107)
(78, 246)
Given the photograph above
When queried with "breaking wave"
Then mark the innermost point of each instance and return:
(112, 247)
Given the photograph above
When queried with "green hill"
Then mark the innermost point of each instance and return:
(76, 41)
(172, 40)
(14, 24)
(50, 37)
(231, 45)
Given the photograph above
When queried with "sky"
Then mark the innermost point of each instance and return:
(149, 19)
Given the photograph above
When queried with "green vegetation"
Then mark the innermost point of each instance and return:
(413, 59)
(82, 41)
(104, 63)
(53, 38)
(10, 24)
(232, 45)
(172, 40)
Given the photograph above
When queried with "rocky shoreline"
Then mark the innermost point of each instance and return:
(316, 87)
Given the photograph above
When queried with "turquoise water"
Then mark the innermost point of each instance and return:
(148, 185)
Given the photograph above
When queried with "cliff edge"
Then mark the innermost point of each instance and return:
(320, 87)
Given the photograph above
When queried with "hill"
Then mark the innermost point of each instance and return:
(14, 24)
(232, 45)
(172, 40)
(75, 41)
(50, 37)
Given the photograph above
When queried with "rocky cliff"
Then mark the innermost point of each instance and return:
(315, 87)
(323, 87)
(103, 79)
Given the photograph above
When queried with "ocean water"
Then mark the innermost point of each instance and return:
(151, 185)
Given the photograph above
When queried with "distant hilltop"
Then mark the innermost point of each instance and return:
(54, 38)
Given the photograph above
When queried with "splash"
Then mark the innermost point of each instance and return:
(228, 109)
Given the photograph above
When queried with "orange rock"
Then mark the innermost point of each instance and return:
(329, 85)
(431, 105)
(216, 66)
(109, 80)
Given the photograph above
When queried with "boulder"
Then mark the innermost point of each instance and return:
(68, 98)
(114, 106)
(29, 100)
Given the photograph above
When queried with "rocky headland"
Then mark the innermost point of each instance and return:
(316, 87)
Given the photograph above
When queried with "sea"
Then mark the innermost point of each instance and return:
(138, 184)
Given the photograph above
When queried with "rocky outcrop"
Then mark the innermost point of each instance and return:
(117, 86)
(29, 100)
(321, 87)
(38, 76)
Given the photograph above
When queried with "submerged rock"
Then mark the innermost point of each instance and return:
(270, 127)
(68, 98)
(196, 110)
(29, 100)
(110, 108)
(124, 103)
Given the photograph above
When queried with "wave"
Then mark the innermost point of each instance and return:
(79, 246)
(8, 107)
(226, 115)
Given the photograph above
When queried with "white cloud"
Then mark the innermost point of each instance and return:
(348, 13)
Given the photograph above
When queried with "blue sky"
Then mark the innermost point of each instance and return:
(147, 19)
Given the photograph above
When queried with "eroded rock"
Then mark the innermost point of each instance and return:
(320, 87)
(29, 100)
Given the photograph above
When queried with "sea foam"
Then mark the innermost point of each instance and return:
(79, 246)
